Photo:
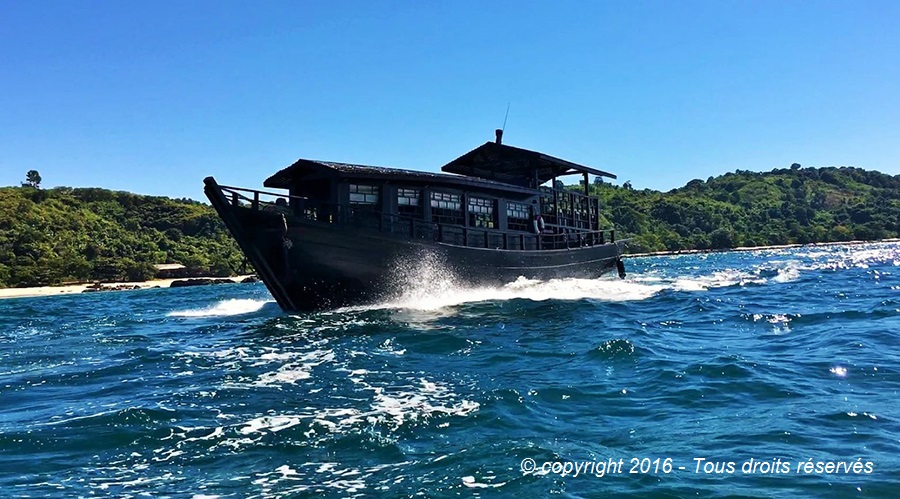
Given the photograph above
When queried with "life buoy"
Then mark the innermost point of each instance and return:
(539, 224)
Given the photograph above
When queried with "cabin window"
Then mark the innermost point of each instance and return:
(548, 206)
(481, 212)
(408, 201)
(518, 216)
(581, 212)
(363, 194)
(446, 208)
(564, 210)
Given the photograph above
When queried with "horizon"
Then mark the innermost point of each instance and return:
(152, 99)
(607, 181)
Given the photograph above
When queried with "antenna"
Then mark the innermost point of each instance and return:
(506, 117)
(499, 132)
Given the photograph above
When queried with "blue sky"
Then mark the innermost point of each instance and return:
(151, 97)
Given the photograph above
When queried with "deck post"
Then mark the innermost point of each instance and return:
(425, 199)
(555, 203)
(255, 201)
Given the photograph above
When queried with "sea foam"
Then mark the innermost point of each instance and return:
(224, 308)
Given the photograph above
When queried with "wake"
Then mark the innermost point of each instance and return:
(223, 308)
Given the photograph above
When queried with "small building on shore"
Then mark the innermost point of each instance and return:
(171, 271)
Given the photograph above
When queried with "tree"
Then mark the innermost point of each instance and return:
(48, 236)
(795, 166)
(721, 239)
(33, 179)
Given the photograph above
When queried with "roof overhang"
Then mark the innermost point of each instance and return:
(302, 168)
(513, 165)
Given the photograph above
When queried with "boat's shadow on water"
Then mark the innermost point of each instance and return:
(516, 314)
(320, 324)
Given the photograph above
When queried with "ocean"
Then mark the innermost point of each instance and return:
(770, 373)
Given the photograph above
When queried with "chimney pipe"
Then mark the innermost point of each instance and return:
(499, 133)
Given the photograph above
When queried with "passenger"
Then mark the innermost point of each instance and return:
(267, 206)
(281, 205)
(539, 225)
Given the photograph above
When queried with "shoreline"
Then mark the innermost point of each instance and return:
(38, 291)
(70, 289)
(755, 248)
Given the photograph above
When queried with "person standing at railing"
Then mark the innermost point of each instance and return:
(280, 206)
(539, 225)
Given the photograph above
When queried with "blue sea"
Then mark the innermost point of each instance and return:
(770, 373)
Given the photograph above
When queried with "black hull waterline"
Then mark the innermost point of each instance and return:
(309, 264)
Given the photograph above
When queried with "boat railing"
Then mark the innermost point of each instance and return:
(296, 208)
(257, 199)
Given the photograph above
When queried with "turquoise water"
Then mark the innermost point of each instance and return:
(785, 357)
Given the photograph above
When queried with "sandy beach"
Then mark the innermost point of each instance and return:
(79, 288)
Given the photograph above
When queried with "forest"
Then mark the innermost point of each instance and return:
(52, 236)
(63, 234)
(792, 205)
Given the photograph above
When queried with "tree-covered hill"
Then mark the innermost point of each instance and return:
(784, 206)
(65, 234)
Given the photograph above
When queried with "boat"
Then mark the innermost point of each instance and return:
(337, 234)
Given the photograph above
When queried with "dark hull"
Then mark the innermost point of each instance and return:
(328, 265)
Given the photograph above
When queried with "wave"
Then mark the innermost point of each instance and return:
(432, 286)
(432, 295)
(716, 279)
(421, 298)
(224, 308)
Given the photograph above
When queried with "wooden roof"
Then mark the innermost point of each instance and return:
(307, 169)
(513, 165)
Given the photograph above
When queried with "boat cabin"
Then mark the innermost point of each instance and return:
(493, 196)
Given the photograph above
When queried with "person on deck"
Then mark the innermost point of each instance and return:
(538, 220)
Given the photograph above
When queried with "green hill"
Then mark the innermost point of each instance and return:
(784, 206)
(64, 234)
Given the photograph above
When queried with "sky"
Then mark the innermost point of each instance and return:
(151, 97)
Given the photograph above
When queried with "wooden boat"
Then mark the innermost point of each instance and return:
(346, 234)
